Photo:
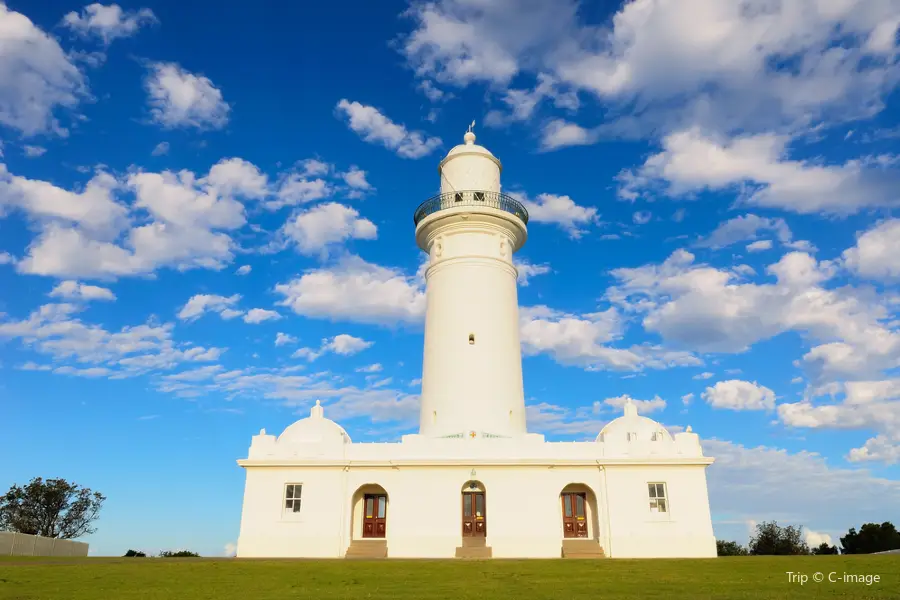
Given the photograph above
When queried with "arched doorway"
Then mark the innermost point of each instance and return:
(580, 518)
(370, 512)
(474, 510)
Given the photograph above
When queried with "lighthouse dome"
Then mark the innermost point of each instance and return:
(633, 427)
(314, 429)
(469, 148)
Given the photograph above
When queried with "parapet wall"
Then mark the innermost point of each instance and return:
(22, 544)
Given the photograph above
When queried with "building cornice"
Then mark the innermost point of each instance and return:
(478, 462)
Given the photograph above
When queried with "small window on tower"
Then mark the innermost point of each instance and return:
(479, 196)
(471, 339)
(457, 197)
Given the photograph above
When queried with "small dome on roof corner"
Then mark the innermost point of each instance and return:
(314, 429)
(631, 422)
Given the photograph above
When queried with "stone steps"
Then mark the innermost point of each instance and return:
(367, 549)
(474, 552)
(581, 548)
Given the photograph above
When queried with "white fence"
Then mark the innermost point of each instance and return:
(22, 544)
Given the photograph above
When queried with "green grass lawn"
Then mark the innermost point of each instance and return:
(175, 579)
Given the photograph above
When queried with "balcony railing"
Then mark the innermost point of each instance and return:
(476, 198)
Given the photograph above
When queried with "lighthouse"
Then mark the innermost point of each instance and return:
(473, 482)
(472, 360)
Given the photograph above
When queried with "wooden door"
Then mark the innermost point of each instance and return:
(374, 515)
(474, 518)
(574, 515)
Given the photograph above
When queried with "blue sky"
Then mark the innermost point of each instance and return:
(206, 224)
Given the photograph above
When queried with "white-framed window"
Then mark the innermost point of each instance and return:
(292, 497)
(658, 500)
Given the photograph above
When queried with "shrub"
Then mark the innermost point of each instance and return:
(177, 554)
(135, 554)
(824, 548)
(724, 548)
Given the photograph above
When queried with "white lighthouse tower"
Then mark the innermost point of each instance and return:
(472, 364)
(492, 489)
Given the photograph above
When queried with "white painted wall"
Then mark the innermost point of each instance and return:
(523, 510)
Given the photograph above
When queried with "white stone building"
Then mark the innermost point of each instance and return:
(473, 482)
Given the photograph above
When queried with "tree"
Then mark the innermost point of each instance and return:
(771, 538)
(871, 538)
(724, 548)
(135, 554)
(53, 508)
(824, 548)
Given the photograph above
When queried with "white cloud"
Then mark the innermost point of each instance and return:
(704, 375)
(757, 166)
(258, 315)
(559, 133)
(873, 405)
(552, 419)
(522, 104)
(73, 290)
(879, 448)
(559, 210)
(108, 22)
(32, 366)
(178, 98)
(642, 217)
(33, 151)
(356, 291)
(759, 246)
(89, 372)
(94, 209)
(687, 398)
(284, 338)
(186, 228)
(297, 188)
(52, 330)
(199, 304)
(346, 345)
(526, 270)
(876, 254)
(315, 230)
(764, 484)
(814, 539)
(244, 270)
(657, 66)
(735, 394)
(643, 406)
(160, 149)
(356, 179)
(7, 259)
(707, 309)
(583, 340)
(36, 77)
(342, 344)
(373, 368)
(746, 228)
(431, 92)
(460, 42)
(376, 128)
